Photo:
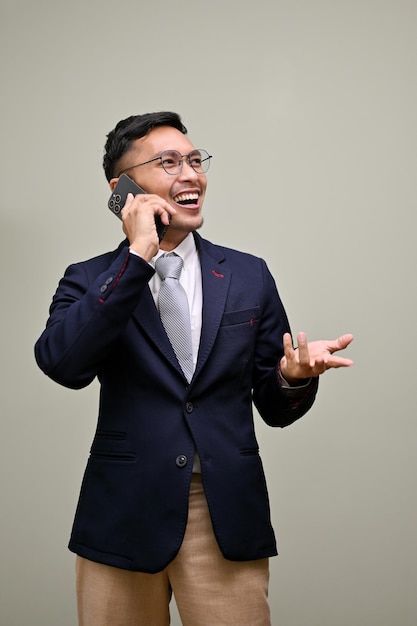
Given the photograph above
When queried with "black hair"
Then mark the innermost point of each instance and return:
(134, 127)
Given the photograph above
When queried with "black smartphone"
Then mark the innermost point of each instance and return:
(118, 197)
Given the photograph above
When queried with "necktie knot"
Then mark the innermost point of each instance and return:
(169, 266)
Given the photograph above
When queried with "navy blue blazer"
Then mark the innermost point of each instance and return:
(103, 323)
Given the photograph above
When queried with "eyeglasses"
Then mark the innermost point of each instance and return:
(172, 161)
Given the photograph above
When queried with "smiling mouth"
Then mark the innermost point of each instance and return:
(185, 199)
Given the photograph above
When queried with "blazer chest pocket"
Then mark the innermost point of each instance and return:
(249, 317)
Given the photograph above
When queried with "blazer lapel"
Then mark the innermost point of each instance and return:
(215, 282)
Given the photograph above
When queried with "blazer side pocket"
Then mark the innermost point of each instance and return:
(249, 451)
(124, 457)
(111, 446)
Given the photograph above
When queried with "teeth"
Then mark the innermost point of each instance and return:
(184, 197)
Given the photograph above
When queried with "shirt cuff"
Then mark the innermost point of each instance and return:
(293, 389)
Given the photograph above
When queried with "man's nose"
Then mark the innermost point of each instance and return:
(188, 172)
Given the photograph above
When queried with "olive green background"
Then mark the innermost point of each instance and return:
(309, 109)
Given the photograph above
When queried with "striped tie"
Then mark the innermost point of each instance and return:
(174, 310)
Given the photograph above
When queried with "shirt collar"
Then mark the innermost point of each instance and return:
(186, 250)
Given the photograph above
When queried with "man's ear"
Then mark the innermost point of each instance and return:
(113, 182)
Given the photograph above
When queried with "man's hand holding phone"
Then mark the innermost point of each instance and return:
(145, 216)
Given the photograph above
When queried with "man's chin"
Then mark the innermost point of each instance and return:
(200, 223)
(176, 233)
(193, 222)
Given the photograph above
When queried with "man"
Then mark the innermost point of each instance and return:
(174, 496)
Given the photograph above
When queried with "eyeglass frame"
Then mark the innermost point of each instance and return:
(187, 156)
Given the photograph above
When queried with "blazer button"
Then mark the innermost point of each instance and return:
(181, 460)
(189, 407)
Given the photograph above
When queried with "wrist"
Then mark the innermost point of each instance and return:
(146, 252)
(289, 380)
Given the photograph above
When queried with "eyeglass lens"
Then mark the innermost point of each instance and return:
(172, 161)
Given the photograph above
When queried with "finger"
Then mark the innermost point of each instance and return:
(345, 340)
(303, 351)
(288, 347)
(287, 341)
(166, 212)
(129, 199)
(341, 342)
(338, 361)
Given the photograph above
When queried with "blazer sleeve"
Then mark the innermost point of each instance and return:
(276, 405)
(90, 309)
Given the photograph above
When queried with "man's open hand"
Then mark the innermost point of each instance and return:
(312, 358)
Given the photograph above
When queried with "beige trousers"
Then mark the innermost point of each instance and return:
(208, 589)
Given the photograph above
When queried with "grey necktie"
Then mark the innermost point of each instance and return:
(174, 310)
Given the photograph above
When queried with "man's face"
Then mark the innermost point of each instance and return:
(184, 191)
